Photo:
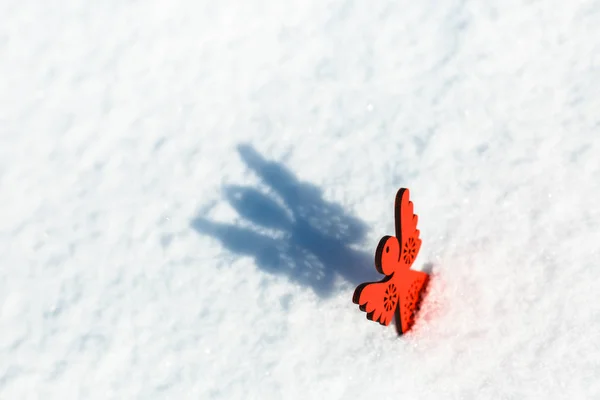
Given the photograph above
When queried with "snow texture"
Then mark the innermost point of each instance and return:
(191, 191)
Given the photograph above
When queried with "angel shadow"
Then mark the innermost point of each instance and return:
(292, 230)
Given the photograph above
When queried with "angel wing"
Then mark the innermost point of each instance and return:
(378, 299)
(406, 229)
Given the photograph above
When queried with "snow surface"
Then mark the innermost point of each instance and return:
(191, 190)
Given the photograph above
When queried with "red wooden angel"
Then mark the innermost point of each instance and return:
(401, 291)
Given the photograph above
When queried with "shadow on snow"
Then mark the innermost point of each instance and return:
(311, 238)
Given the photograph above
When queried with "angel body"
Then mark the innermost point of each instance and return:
(400, 292)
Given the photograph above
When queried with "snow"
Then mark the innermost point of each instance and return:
(191, 190)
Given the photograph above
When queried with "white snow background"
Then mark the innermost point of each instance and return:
(191, 190)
